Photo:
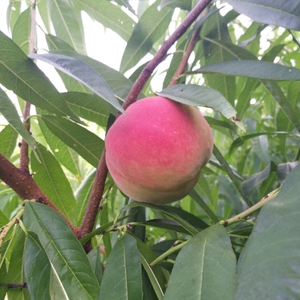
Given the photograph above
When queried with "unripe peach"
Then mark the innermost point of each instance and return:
(155, 151)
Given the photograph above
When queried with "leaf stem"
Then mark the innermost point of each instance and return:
(251, 209)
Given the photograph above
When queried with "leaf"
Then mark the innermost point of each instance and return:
(273, 12)
(12, 13)
(21, 31)
(8, 138)
(82, 72)
(63, 250)
(269, 266)
(36, 268)
(183, 4)
(151, 26)
(95, 262)
(49, 175)
(122, 277)
(10, 113)
(192, 94)
(253, 69)
(84, 142)
(20, 74)
(102, 10)
(212, 273)
(68, 25)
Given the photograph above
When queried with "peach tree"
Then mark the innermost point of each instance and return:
(68, 231)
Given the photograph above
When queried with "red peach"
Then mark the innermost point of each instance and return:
(155, 151)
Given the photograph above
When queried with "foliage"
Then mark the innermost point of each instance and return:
(215, 243)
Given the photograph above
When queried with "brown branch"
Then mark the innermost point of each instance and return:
(24, 185)
(98, 187)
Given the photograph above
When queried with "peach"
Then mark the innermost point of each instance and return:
(155, 151)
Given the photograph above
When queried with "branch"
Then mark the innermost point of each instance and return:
(99, 183)
(24, 185)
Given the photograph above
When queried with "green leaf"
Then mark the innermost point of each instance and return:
(211, 275)
(192, 94)
(49, 175)
(274, 12)
(102, 11)
(12, 13)
(151, 26)
(63, 250)
(36, 268)
(82, 72)
(269, 266)
(20, 74)
(68, 25)
(253, 69)
(183, 4)
(10, 113)
(89, 107)
(84, 142)
(8, 138)
(21, 31)
(95, 262)
(122, 278)
(82, 195)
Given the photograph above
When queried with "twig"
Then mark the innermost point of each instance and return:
(250, 210)
(99, 183)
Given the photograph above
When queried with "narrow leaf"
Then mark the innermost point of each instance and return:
(269, 266)
(122, 278)
(50, 177)
(10, 113)
(82, 72)
(199, 96)
(95, 262)
(36, 268)
(8, 138)
(274, 12)
(211, 275)
(84, 142)
(20, 74)
(63, 250)
(151, 26)
(252, 68)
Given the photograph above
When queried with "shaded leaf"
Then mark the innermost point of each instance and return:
(36, 268)
(275, 12)
(84, 142)
(212, 273)
(10, 113)
(122, 277)
(95, 262)
(151, 26)
(20, 74)
(50, 177)
(8, 138)
(82, 72)
(269, 266)
(63, 250)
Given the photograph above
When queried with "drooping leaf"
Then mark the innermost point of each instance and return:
(82, 72)
(84, 142)
(269, 265)
(12, 13)
(50, 177)
(20, 74)
(122, 277)
(8, 138)
(95, 262)
(63, 250)
(211, 275)
(68, 25)
(192, 94)
(273, 12)
(10, 113)
(21, 31)
(151, 26)
(36, 268)
(254, 69)
(101, 11)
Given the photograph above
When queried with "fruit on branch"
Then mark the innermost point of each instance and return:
(155, 151)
